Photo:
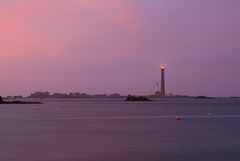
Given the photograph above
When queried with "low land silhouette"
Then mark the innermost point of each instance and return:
(16, 102)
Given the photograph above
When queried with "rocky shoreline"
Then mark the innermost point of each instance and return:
(16, 102)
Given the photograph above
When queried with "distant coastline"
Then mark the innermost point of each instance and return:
(47, 94)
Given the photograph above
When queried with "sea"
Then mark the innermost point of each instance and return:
(115, 130)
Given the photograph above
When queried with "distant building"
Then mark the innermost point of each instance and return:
(157, 92)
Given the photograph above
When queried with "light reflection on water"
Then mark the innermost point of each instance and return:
(113, 130)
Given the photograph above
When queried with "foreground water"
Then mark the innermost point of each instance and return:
(114, 130)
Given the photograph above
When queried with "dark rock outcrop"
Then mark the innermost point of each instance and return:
(17, 102)
(203, 97)
(134, 98)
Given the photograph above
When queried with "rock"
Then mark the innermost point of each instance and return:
(203, 97)
(17, 102)
(1, 99)
(134, 98)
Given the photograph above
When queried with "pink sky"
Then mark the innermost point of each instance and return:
(113, 46)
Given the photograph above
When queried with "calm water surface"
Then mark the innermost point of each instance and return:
(114, 130)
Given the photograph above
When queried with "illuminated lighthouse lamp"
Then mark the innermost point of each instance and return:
(162, 66)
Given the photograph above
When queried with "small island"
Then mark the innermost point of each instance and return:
(203, 97)
(134, 98)
(17, 102)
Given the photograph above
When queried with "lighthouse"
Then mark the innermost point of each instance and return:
(162, 92)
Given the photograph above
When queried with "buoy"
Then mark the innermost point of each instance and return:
(178, 117)
(209, 114)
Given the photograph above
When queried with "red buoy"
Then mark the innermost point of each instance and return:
(178, 117)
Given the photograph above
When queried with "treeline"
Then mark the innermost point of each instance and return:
(72, 95)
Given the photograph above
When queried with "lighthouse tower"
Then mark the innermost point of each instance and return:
(162, 92)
